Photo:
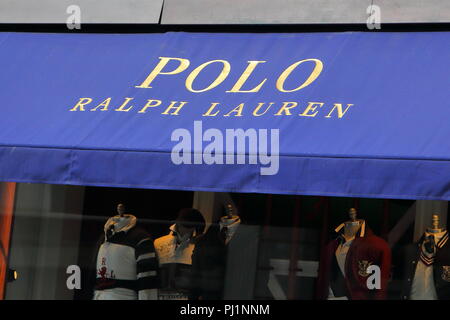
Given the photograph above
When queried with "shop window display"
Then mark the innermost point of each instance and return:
(174, 245)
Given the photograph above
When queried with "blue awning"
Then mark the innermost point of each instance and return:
(356, 114)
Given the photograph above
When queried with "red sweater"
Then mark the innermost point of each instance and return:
(365, 250)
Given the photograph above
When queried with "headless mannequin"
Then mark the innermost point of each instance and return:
(119, 276)
(423, 283)
(352, 226)
(228, 224)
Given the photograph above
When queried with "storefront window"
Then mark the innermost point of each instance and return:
(189, 245)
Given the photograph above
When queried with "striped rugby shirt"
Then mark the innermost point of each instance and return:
(127, 265)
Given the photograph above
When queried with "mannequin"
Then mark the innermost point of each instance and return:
(435, 225)
(422, 286)
(343, 267)
(126, 264)
(229, 224)
(350, 229)
(352, 226)
(175, 254)
(210, 257)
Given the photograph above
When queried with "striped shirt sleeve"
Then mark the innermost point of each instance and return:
(147, 270)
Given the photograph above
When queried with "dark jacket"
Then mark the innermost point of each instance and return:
(441, 269)
(366, 249)
(209, 261)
